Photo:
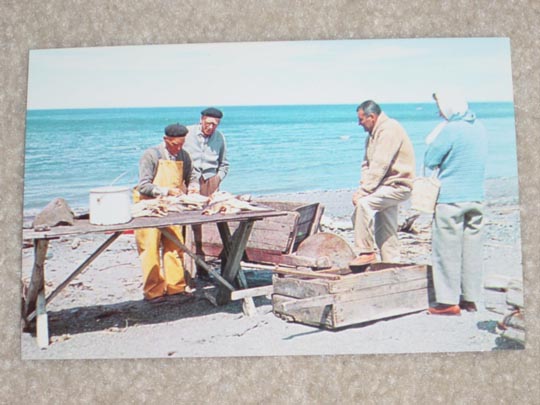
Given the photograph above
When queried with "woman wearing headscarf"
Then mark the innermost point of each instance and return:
(458, 149)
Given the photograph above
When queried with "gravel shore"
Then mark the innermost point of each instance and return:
(101, 313)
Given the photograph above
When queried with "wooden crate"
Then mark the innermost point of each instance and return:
(384, 291)
(271, 238)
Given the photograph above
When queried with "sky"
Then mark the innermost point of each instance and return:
(269, 73)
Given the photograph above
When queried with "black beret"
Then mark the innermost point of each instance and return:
(176, 130)
(212, 112)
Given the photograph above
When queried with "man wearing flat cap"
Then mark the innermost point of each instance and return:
(164, 170)
(207, 148)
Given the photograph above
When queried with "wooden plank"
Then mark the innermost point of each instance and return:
(305, 223)
(347, 313)
(380, 277)
(320, 316)
(307, 274)
(298, 288)
(349, 282)
(292, 260)
(516, 335)
(514, 297)
(497, 282)
(248, 307)
(252, 292)
(374, 308)
(322, 262)
(257, 266)
(282, 205)
(359, 295)
(316, 220)
(83, 226)
(267, 234)
(495, 301)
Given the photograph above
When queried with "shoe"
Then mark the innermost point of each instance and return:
(156, 300)
(364, 258)
(444, 309)
(468, 306)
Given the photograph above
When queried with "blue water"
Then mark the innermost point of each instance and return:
(271, 149)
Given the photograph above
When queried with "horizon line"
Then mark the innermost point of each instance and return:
(250, 105)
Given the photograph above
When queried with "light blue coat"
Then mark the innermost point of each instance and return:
(460, 153)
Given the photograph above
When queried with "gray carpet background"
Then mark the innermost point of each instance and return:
(495, 377)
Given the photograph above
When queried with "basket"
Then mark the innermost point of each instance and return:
(424, 194)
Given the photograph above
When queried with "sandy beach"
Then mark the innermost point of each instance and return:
(101, 313)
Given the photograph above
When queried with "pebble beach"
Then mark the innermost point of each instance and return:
(101, 313)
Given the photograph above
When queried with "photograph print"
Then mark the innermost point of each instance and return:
(271, 199)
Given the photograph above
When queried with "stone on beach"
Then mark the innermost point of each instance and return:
(57, 212)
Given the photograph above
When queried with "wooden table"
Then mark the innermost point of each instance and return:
(233, 249)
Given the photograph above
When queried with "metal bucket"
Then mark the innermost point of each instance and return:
(110, 205)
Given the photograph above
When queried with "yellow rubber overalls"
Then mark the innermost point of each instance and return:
(149, 240)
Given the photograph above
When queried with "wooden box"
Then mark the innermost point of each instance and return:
(272, 239)
(384, 290)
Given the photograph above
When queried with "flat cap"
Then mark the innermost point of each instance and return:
(176, 130)
(211, 112)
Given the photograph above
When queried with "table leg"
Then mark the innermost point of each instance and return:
(35, 297)
(225, 233)
(37, 280)
(77, 271)
(236, 250)
(42, 322)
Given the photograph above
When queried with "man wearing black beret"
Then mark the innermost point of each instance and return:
(164, 170)
(207, 148)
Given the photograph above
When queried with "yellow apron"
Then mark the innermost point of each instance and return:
(169, 174)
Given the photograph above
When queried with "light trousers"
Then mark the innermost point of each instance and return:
(375, 222)
(457, 252)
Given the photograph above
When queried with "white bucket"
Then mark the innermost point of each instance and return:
(425, 193)
(110, 205)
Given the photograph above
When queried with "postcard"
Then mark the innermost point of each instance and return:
(254, 199)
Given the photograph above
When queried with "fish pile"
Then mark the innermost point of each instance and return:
(221, 202)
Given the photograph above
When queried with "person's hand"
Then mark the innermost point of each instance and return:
(174, 191)
(357, 195)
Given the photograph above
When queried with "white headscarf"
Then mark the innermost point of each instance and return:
(452, 105)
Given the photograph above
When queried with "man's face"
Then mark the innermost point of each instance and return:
(174, 144)
(209, 125)
(366, 121)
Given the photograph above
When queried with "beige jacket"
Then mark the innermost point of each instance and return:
(389, 158)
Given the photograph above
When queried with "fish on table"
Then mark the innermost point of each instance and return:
(221, 202)
(231, 206)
